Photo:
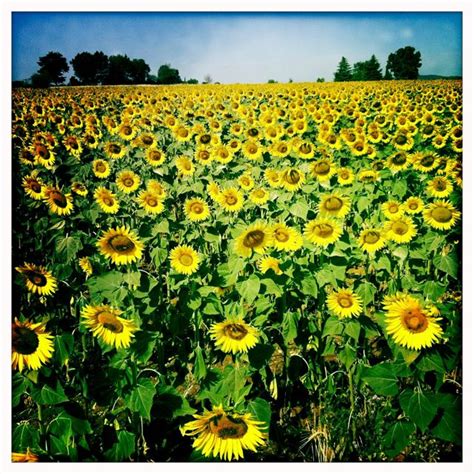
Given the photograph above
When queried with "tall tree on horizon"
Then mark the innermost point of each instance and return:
(53, 66)
(90, 69)
(404, 63)
(344, 72)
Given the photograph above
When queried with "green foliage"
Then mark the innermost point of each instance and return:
(404, 63)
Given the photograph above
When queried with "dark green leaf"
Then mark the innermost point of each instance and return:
(447, 263)
(140, 399)
(418, 407)
(308, 285)
(261, 411)
(260, 355)
(200, 369)
(249, 288)
(381, 379)
(367, 292)
(398, 436)
(290, 326)
(25, 436)
(333, 327)
(68, 247)
(352, 329)
(47, 395)
(123, 448)
(64, 344)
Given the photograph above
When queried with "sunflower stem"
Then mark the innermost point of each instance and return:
(350, 373)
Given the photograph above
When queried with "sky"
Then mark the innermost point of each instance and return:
(241, 47)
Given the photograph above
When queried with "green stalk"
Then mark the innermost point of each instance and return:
(352, 401)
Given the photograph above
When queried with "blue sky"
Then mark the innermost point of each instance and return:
(241, 47)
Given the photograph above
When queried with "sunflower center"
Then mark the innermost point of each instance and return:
(108, 201)
(35, 186)
(186, 259)
(253, 132)
(283, 148)
(344, 174)
(359, 147)
(441, 214)
(110, 322)
(128, 182)
(147, 140)
(254, 238)
(187, 165)
(293, 177)
(371, 237)
(231, 199)
(100, 167)
(344, 301)
(25, 340)
(252, 149)
(427, 161)
(58, 199)
(322, 168)
(38, 279)
(413, 205)
(324, 230)
(400, 228)
(305, 149)
(333, 204)
(235, 331)
(127, 130)
(121, 243)
(393, 208)
(399, 159)
(415, 320)
(226, 427)
(197, 208)
(205, 138)
(155, 155)
(281, 235)
(115, 149)
(204, 155)
(151, 201)
(260, 193)
(401, 139)
(439, 184)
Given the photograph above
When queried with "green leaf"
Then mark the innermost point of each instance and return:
(47, 395)
(140, 399)
(290, 326)
(170, 403)
(63, 346)
(299, 209)
(68, 247)
(308, 285)
(132, 279)
(367, 292)
(260, 355)
(449, 426)
(106, 285)
(200, 369)
(352, 329)
(25, 436)
(381, 379)
(418, 407)
(143, 345)
(271, 287)
(399, 189)
(363, 203)
(333, 327)
(347, 356)
(433, 290)
(447, 264)
(261, 411)
(123, 448)
(249, 288)
(401, 253)
(162, 227)
(398, 436)
(431, 361)
(62, 428)
(18, 388)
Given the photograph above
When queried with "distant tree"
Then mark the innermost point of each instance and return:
(119, 70)
(139, 71)
(372, 69)
(343, 72)
(404, 63)
(40, 80)
(168, 75)
(320, 79)
(388, 76)
(74, 81)
(272, 81)
(290, 80)
(192, 81)
(359, 71)
(207, 79)
(53, 66)
(90, 68)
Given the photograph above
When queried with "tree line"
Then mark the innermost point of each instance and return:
(99, 69)
(402, 64)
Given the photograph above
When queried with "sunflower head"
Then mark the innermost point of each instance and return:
(255, 238)
(344, 303)
(196, 209)
(441, 215)
(120, 245)
(127, 181)
(184, 259)
(38, 279)
(334, 204)
(372, 240)
(323, 231)
(234, 335)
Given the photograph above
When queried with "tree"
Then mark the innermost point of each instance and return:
(388, 76)
(359, 71)
(320, 79)
(404, 63)
(52, 67)
(40, 80)
(343, 72)
(119, 70)
(139, 71)
(168, 75)
(192, 81)
(272, 81)
(207, 79)
(90, 68)
(372, 69)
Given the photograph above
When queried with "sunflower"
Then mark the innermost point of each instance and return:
(255, 238)
(127, 181)
(185, 166)
(231, 199)
(322, 231)
(196, 209)
(32, 346)
(269, 263)
(392, 209)
(150, 202)
(79, 189)
(441, 215)
(252, 150)
(246, 182)
(157, 188)
(25, 457)
(334, 205)
(344, 303)
(184, 259)
(214, 191)
(371, 240)
(204, 155)
(413, 205)
(234, 335)
(38, 279)
(400, 229)
(155, 157)
(403, 141)
(101, 168)
(73, 146)
(120, 245)
(410, 324)
(58, 202)
(107, 325)
(106, 200)
(43, 155)
(86, 266)
(182, 134)
(33, 186)
(272, 177)
(114, 150)
(292, 179)
(259, 196)
(398, 161)
(368, 176)
(440, 187)
(424, 162)
(322, 169)
(127, 132)
(345, 176)
(224, 433)
(285, 238)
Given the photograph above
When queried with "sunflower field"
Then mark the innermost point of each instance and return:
(237, 272)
